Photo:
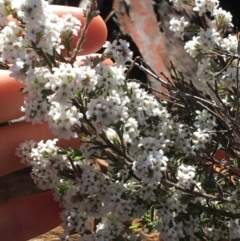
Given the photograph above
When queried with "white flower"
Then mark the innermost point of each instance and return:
(111, 47)
(229, 43)
(24, 151)
(149, 166)
(222, 18)
(165, 214)
(124, 53)
(194, 46)
(63, 83)
(11, 42)
(203, 6)
(174, 203)
(204, 120)
(204, 72)
(152, 144)
(86, 79)
(43, 27)
(178, 26)
(45, 162)
(171, 233)
(120, 52)
(70, 24)
(35, 109)
(130, 130)
(209, 38)
(61, 119)
(193, 225)
(102, 112)
(200, 138)
(27, 9)
(147, 192)
(185, 175)
(205, 123)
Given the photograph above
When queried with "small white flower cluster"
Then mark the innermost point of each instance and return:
(149, 166)
(203, 6)
(45, 162)
(173, 203)
(215, 233)
(119, 50)
(99, 197)
(175, 232)
(185, 175)
(192, 226)
(204, 72)
(230, 44)
(193, 47)
(49, 95)
(170, 209)
(201, 46)
(43, 30)
(209, 38)
(178, 26)
(221, 16)
(205, 124)
(148, 131)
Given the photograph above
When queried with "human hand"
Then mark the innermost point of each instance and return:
(26, 217)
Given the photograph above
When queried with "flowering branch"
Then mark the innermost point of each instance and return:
(89, 14)
(161, 155)
(204, 195)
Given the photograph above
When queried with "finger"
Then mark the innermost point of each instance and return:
(96, 34)
(27, 217)
(11, 136)
(11, 99)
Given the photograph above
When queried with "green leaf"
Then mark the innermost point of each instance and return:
(46, 92)
(76, 155)
(134, 227)
(62, 189)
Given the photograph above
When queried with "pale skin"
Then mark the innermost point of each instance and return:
(27, 217)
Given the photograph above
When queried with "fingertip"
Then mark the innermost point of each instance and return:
(10, 97)
(96, 36)
(108, 62)
(97, 32)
